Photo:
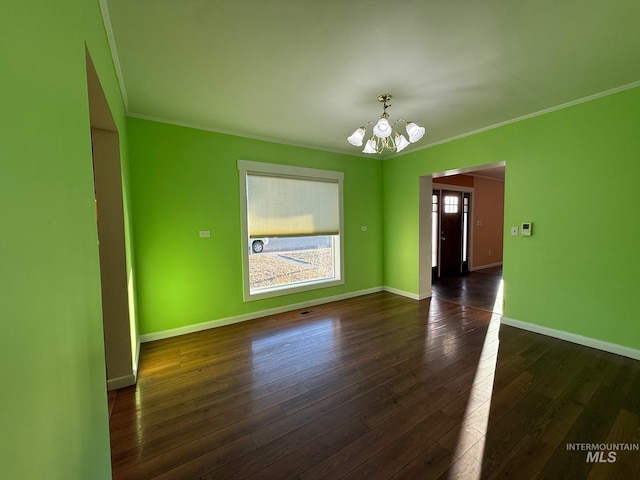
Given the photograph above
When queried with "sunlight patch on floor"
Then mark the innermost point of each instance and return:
(469, 452)
(498, 305)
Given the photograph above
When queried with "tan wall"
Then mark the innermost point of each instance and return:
(488, 221)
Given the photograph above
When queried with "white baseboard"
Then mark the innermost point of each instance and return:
(482, 267)
(121, 382)
(129, 379)
(422, 296)
(574, 338)
(136, 360)
(412, 296)
(174, 332)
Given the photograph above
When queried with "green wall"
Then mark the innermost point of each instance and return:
(53, 403)
(574, 173)
(184, 180)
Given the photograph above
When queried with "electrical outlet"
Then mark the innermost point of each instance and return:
(514, 231)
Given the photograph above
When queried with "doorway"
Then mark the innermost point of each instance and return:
(485, 227)
(120, 339)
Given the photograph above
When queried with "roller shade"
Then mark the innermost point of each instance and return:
(281, 206)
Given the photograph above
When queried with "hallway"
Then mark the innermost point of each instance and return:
(481, 289)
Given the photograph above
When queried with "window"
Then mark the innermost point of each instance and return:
(451, 204)
(291, 228)
(465, 226)
(434, 229)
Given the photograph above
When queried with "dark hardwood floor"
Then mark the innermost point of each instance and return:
(375, 387)
(481, 289)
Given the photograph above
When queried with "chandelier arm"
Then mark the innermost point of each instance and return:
(387, 143)
(392, 143)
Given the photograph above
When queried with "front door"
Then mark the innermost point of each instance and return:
(451, 234)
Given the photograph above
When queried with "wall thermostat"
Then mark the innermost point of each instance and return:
(525, 229)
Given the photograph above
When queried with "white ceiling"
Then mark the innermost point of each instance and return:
(308, 72)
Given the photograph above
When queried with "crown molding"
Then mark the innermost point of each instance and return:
(106, 20)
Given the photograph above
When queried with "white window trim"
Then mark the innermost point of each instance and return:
(246, 167)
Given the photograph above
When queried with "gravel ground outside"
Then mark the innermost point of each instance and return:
(281, 268)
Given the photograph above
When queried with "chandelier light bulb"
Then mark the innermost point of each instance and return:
(370, 146)
(382, 129)
(356, 138)
(401, 142)
(415, 132)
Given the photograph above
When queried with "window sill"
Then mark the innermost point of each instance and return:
(270, 292)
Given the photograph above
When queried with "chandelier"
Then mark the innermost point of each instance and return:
(385, 135)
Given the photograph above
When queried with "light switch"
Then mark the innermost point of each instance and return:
(363, 228)
(514, 231)
(205, 233)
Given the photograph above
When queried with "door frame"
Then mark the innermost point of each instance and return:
(121, 342)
